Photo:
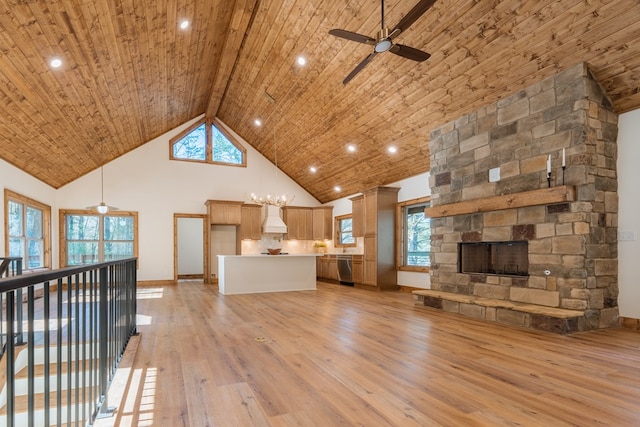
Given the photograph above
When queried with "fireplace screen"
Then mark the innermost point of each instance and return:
(506, 258)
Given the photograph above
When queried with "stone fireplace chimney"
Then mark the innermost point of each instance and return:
(569, 222)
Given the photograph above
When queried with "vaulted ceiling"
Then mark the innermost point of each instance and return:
(130, 74)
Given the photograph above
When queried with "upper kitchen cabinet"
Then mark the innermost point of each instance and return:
(299, 222)
(357, 215)
(250, 222)
(222, 212)
(322, 223)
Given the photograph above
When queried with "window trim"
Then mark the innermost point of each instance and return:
(336, 238)
(62, 219)
(400, 235)
(46, 227)
(209, 143)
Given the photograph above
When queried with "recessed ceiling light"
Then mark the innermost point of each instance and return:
(313, 169)
(392, 149)
(301, 61)
(337, 189)
(351, 148)
(257, 122)
(56, 63)
(184, 24)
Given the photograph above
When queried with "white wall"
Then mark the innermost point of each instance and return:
(146, 181)
(20, 182)
(629, 213)
(410, 188)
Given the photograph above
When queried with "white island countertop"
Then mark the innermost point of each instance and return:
(257, 273)
(270, 256)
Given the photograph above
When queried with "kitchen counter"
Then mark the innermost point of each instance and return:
(248, 274)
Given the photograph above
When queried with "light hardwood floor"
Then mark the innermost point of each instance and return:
(344, 356)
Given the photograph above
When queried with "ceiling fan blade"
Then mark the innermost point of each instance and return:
(411, 17)
(359, 67)
(352, 36)
(409, 52)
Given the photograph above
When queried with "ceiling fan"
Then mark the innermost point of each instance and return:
(384, 39)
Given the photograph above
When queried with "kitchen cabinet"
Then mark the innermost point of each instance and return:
(327, 267)
(299, 222)
(379, 206)
(357, 215)
(370, 261)
(357, 269)
(322, 224)
(222, 212)
(250, 222)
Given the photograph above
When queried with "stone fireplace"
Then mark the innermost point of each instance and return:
(569, 222)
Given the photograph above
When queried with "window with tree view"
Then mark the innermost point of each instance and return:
(344, 231)
(26, 238)
(192, 146)
(92, 238)
(27, 231)
(208, 142)
(223, 150)
(416, 249)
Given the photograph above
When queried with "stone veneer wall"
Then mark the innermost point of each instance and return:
(575, 240)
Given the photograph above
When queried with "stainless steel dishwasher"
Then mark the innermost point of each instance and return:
(344, 269)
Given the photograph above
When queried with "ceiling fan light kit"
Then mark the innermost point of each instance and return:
(384, 38)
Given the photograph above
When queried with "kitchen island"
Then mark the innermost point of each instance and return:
(248, 274)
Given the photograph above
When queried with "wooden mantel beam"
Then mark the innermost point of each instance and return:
(543, 196)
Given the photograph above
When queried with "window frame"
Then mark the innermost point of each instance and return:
(337, 242)
(46, 227)
(401, 234)
(209, 143)
(62, 216)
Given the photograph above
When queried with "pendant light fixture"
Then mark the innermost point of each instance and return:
(102, 208)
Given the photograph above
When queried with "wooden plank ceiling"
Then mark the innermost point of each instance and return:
(130, 74)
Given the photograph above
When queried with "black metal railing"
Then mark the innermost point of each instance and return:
(77, 322)
(10, 266)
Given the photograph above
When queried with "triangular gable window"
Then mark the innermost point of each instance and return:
(192, 146)
(206, 141)
(225, 150)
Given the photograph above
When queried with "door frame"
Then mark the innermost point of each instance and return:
(205, 244)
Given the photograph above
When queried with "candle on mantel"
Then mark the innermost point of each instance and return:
(549, 164)
(564, 159)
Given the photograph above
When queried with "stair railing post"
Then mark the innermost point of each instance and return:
(103, 326)
(19, 314)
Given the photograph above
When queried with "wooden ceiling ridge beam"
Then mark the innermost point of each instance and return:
(243, 18)
(251, 61)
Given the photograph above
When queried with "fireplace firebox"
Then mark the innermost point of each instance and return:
(502, 258)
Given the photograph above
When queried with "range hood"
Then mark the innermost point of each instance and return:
(273, 222)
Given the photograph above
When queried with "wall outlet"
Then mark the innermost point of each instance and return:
(494, 174)
(626, 236)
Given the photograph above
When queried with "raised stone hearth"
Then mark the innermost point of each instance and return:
(550, 319)
(571, 229)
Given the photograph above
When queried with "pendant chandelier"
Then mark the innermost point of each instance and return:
(272, 199)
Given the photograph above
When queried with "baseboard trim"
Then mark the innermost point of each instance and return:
(630, 323)
(156, 282)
